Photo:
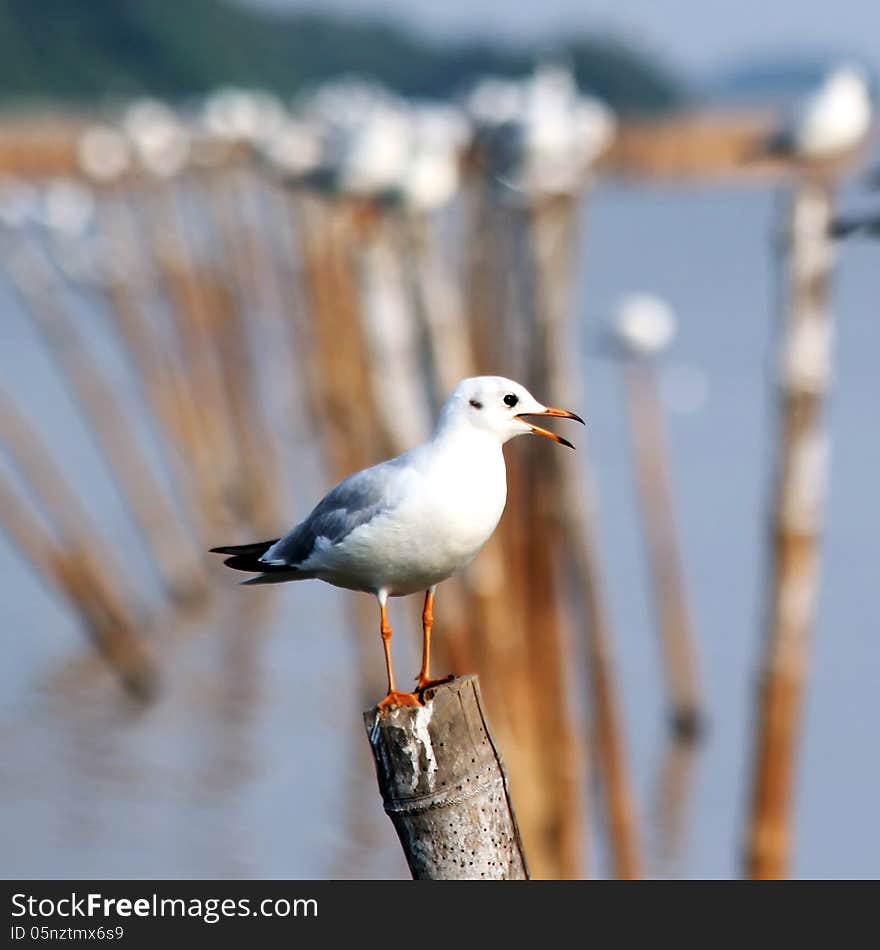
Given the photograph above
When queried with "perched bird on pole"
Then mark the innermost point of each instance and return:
(829, 125)
(407, 524)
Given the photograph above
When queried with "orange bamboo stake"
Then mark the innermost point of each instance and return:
(644, 325)
(795, 523)
(677, 638)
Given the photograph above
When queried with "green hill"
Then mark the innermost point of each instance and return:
(87, 50)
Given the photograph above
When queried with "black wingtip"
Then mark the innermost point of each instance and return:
(257, 548)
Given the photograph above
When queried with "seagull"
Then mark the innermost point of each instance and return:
(830, 123)
(405, 525)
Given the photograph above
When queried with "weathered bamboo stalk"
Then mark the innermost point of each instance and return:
(172, 548)
(194, 326)
(39, 469)
(242, 289)
(166, 391)
(390, 331)
(74, 573)
(795, 523)
(675, 783)
(677, 640)
(444, 787)
(550, 232)
(332, 352)
(503, 580)
(436, 307)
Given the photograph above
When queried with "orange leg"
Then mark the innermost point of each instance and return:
(394, 697)
(424, 680)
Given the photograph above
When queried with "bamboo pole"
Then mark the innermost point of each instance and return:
(75, 574)
(677, 639)
(242, 288)
(166, 392)
(795, 524)
(549, 230)
(194, 324)
(444, 787)
(332, 351)
(675, 784)
(39, 469)
(499, 634)
(172, 549)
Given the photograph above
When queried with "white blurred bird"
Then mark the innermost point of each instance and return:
(540, 135)
(643, 324)
(407, 524)
(830, 123)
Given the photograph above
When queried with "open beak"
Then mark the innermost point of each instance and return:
(550, 411)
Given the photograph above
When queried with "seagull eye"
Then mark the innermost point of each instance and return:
(511, 400)
(476, 404)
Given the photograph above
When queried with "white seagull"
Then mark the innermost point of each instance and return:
(830, 123)
(407, 524)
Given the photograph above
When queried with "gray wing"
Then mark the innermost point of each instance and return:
(353, 502)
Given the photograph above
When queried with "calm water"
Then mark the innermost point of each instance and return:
(254, 762)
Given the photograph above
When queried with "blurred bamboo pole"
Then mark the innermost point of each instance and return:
(335, 354)
(165, 391)
(795, 523)
(31, 457)
(401, 359)
(345, 245)
(244, 290)
(194, 326)
(436, 307)
(484, 274)
(675, 784)
(78, 576)
(650, 460)
(500, 635)
(552, 226)
(297, 396)
(394, 356)
(179, 565)
(480, 631)
(543, 250)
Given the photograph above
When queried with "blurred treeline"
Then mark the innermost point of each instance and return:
(72, 51)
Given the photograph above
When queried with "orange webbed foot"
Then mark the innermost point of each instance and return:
(397, 698)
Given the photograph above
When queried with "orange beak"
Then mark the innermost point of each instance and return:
(550, 411)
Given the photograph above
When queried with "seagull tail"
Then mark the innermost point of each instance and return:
(255, 549)
(276, 575)
(246, 557)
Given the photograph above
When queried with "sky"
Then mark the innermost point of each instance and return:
(693, 35)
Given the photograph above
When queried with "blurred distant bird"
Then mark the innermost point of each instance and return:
(830, 123)
(406, 524)
(643, 324)
(540, 135)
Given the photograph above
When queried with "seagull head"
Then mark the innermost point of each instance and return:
(499, 408)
